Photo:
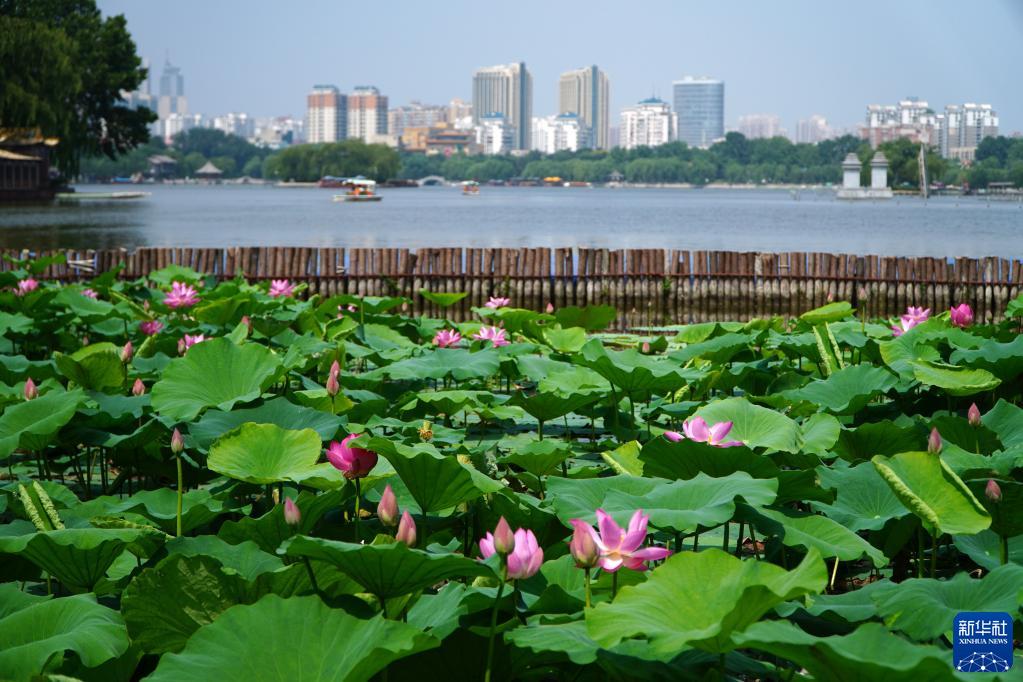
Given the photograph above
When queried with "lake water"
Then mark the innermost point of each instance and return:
(713, 219)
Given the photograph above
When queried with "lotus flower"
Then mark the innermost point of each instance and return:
(934, 442)
(961, 315)
(138, 388)
(89, 293)
(912, 318)
(151, 327)
(281, 288)
(31, 392)
(406, 529)
(292, 514)
(25, 286)
(527, 557)
(619, 547)
(973, 415)
(497, 302)
(583, 547)
(494, 335)
(387, 509)
(673, 436)
(352, 462)
(501, 541)
(188, 340)
(550, 308)
(127, 352)
(177, 442)
(181, 296)
(446, 338)
(993, 491)
(697, 429)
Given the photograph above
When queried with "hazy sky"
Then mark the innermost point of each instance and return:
(792, 57)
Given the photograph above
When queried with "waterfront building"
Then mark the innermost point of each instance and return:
(648, 124)
(962, 128)
(760, 126)
(448, 141)
(912, 119)
(326, 115)
(415, 115)
(586, 93)
(367, 114)
(813, 130)
(700, 106)
(178, 123)
(458, 111)
(172, 98)
(232, 123)
(495, 134)
(505, 91)
(564, 132)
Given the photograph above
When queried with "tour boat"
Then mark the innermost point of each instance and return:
(360, 190)
(470, 188)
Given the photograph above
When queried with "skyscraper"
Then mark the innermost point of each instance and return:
(760, 126)
(326, 114)
(648, 124)
(587, 94)
(367, 114)
(505, 90)
(172, 92)
(700, 105)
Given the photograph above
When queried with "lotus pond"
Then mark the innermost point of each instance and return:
(234, 481)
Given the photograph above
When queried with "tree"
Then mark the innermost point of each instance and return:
(103, 57)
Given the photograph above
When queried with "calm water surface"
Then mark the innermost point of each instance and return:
(742, 220)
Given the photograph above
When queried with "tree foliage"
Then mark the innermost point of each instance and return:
(310, 162)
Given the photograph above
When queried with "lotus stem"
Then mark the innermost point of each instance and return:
(586, 573)
(934, 554)
(358, 496)
(180, 491)
(614, 585)
(312, 575)
(834, 574)
(493, 627)
(1004, 541)
(738, 541)
(539, 429)
(724, 542)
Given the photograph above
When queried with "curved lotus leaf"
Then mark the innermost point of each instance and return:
(437, 482)
(564, 340)
(245, 558)
(387, 570)
(458, 363)
(820, 433)
(954, 380)
(868, 653)
(632, 371)
(846, 391)
(925, 608)
(94, 367)
(198, 508)
(569, 638)
(754, 425)
(266, 453)
(33, 635)
(686, 459)
(546, 405)
(624, 459)
(699, 599)
(322, 645)
(279, 411)
(1004, 360)
(985, 548)
(579, 498)
(540, 457)
(797, 529)
(442, 298)
(852, 607)
(933, 492)
(591, 317)
(32, 424)
(1005, 419)
(719, 349)
(215, 373)
(77, 557)
(878, 438)
(270, 530)
(863, 500)
(453, 402)
(830, 312)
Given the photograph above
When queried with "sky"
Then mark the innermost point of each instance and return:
(792, 58)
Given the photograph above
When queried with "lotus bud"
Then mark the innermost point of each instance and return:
(831, 297)
(31, 392)
(504, 538)
(333, 387)
(387, 509)
(993, 491)
(583, 547)
(247, 322)
(406, 529)
(550, 308)
(181, 346)
(292, 515)
(934, 442)
(127, 352)
(85, 340)
(973, 414)
(177, 442)
(646, 348)
(673, 436)
(138, 388)
(426, 431)
(335, 369)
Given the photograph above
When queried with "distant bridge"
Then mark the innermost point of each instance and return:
(431, 180)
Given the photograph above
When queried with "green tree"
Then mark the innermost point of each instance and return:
(102, 55)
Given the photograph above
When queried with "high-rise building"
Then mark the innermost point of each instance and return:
(648, 124)
(505, 91)
(240, 124)
(326, 115)
(587, 94)
(415, 115)
(172, 98)
(458, 111)
(813, 129)
(911, 118)
(760, 126)
(495, 134)
(962, 127)
(367, 114)
(564, 132)
(700, 106)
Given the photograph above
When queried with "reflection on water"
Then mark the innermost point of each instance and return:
(742, 220)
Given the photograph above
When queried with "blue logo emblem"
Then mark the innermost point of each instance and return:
(982, 642)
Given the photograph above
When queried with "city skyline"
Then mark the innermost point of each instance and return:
(760, 52)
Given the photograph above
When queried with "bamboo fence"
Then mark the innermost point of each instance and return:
(648, 287)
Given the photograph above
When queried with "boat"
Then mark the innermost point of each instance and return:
(360, 190)
(100, 196)
(471, 188)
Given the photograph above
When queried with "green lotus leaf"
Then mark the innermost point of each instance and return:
(442, 298)
(458, 363)
(820, 433)
(199, 507)
(864, 501)
(846, 391)
(754, 425)
(719, 349)
(266, 453)
(435, 481)
(1005, 419)
(932, 491)
(540, 457)
(270, 530)
(569, 639)
(624, 459)
(878, 438)
(580, 497)
(32, 424)
(700, 599)
(985, 548)
(830, 312)
(279, 411)
(565, 340)
(958, 381)
(385, 570)
(215, 373)
(591, 317)
(35, 635)
(632, 371)
(94, 367)
(245, 558)
(453, 402)
(798, 529)
(852, 607)
(686, 459)
(1004, 360)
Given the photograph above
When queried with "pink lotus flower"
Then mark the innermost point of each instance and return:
(406, 529)
(25, 286)
(177, 443)
(697, 429)
(501, 541)
(961, 315)
(292, 514)
(151, 327)
(281, 287)
(494, 335)
(352, 462)
(918, 314)
(138, 388)
(934, 442)
(527, 557)
(973, 415)
(550, 308)
(181, 296)
(187, 341)
(387, 509)
(89, 293)
(31, 392)
(673, 436)
(622, 548)
(583, 547)
(912, 318)
(446, 338)
(497, 302)
(993, 491)
(127, 352)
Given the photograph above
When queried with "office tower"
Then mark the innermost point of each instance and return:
(700, 106)
(505, 91)
(326, 115)
(587, 94)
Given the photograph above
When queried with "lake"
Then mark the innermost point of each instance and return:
(712, 219)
